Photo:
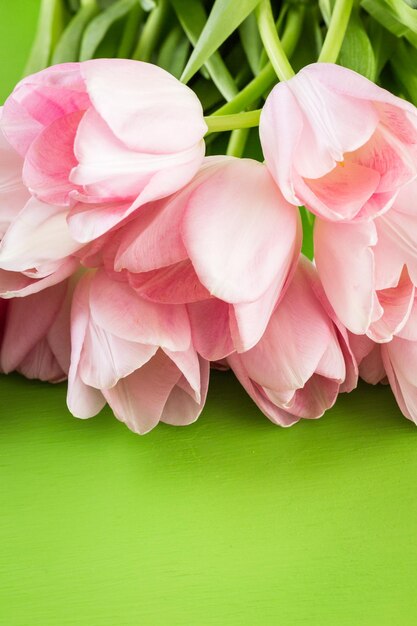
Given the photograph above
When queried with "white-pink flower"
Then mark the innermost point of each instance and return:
(103, 137)
(369, 269)
(35, 333)
(303, 360)
(134, 354)
(337, 143)
(225, 245)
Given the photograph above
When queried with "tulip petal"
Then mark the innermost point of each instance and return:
(15, 284)
(334, 197)
(210, 329)
(37, 236)
(345, 263)
(40, 99)
(153, 239)
(182, 408)
(28, 322)
(145, 106)
(396, 303)
(105, 359)
(239, 232)
(139, 399)
(116, 308)
(50, 159)
(13, 193)
(40, 364)
(399, 358)
(175, 284)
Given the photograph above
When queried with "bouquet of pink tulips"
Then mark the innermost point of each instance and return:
(187, 185)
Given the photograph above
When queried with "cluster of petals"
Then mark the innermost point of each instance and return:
(130, 262)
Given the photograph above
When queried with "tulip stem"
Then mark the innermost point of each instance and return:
(271, 41)
(237, 142)
(220, 123)
(151, 31)
(336, 32)
(266, 77)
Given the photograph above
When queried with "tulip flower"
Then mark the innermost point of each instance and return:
(303, 360)
(103, 137)
(394, 362)
(369, 269)
(337, 143)
(225, 245)
(134, 354)
(36, 249)
(36, 334)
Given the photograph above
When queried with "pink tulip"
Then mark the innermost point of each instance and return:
(225, 245)
(36, 335)
(101, 138)
(337, 143)
(303, 361)
(369, 269)
(394, 362)
(135, 354)
(36, 249)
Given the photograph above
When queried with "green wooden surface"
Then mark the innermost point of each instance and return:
(231, 521)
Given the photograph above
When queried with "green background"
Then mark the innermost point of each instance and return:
(228, 521)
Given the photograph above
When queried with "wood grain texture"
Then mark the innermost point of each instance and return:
(229, 521)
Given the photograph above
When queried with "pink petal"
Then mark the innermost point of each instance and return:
(28, 322)
(182, 408)
(105, 358)
(40, 99)
(37, 236)
(13, 193)
(345, 263)
(50, 159)
(175, 284)
(335, 196)
(15, 284)
(210, 328)
(399, 358)
(116, 308)
(396, 303)
(153, 239)
(239, 232)
(40, 363)
(139, 399)
(83, 401)
(145, 106)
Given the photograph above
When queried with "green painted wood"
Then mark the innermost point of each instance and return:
(230, 521)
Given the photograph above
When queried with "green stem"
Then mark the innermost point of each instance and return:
(266, 77)
(336, 32)
(237, 142)
(220, 123)
(151, 31)
(272, 42)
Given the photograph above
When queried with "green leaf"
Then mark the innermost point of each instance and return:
(173, 52)
(411, 3)
(251, 42)
(357, 52)
(403, 64)
(394, 15)
(51, 23)
(68, 47)
(383, 44)
(192, 17)
(130, 32)
(326, 8)
(310, 40)
(100, 25)
(225, 17)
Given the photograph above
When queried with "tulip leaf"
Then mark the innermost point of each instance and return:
(51, 23)
(192, 17)
(394, 15)
(173, 52)
(357, 53)
(383, 44)
(68, 47)
(101, 24)
(130, 32)
(404, 63)
(411, 3)
(225, 17)
(251, 43)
